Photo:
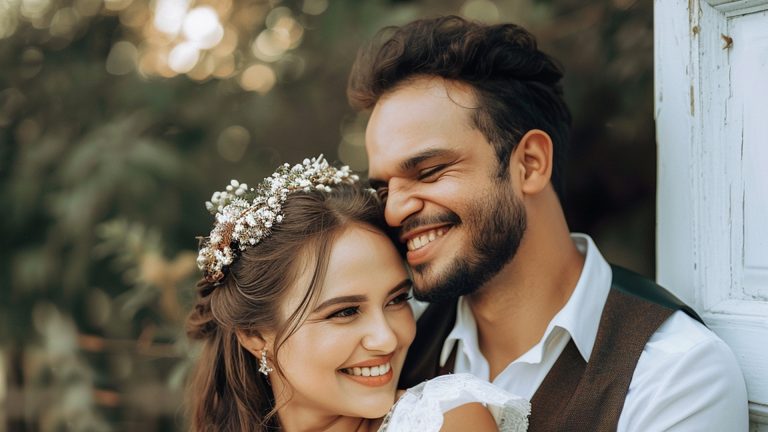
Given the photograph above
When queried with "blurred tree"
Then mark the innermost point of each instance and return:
(119, 117)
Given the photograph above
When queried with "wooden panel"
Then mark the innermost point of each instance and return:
(749, 62)
(712, 129)
(738, 7)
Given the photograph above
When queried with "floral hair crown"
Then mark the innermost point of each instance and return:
(245, 216)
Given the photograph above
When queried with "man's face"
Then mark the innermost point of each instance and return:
(438, 174)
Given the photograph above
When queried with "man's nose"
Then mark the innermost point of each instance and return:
(401, 203)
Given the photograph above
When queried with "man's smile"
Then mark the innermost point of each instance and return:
(424, 244)
(419, 241)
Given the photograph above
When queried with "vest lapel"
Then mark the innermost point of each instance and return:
(574, 396)
(596, 401)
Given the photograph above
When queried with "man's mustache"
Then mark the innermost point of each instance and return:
(414, 222)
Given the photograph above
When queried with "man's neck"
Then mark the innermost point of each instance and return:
(513, 310)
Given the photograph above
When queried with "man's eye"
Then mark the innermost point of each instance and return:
(345, 313)
(402, 298)
(382, 193)
(428, 173)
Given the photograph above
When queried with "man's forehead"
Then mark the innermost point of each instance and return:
(414, 120)
(420, 86)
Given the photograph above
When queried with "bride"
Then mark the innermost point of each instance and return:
(304, 318)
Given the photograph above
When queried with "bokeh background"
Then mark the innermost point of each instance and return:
(119, 118)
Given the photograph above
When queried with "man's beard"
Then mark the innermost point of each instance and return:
(495, 226)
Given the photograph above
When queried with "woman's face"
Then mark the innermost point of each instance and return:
(346, 357)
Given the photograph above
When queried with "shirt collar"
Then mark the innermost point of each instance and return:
(580, 316)
(464, 330)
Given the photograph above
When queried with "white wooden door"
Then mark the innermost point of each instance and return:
(711, 64)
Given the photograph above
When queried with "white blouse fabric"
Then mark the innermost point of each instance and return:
(422, 408)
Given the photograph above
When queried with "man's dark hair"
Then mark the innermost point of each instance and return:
(517, 86)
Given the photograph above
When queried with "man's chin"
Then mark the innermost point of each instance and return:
(423, 287)
(432, 292)
(456, 280)
(424, 281)
(420, 295)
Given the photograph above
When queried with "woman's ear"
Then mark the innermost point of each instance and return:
(254, 343)
(533, 157)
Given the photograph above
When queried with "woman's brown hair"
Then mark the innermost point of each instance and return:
(226, 391)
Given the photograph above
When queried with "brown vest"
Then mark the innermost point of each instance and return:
(575, 395)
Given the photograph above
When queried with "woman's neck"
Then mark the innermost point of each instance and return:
(296, 423)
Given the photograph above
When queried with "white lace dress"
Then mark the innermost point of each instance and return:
(421, 408)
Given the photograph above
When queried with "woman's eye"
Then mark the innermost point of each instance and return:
(345, 313)
(402, 298)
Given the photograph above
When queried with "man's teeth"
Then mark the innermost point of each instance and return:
(369, 371)
(424, 239)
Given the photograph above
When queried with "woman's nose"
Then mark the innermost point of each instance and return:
(380, 336)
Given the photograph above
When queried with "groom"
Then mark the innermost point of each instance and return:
(466, 143)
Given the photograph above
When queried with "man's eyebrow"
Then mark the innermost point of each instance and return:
(414, 161)
(411, 163)
(358, 298)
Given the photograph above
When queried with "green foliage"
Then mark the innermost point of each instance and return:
(103, 175)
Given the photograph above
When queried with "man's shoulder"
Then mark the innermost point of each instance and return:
(683, 351)
(632, 283)
(680, 334)
(686, 377)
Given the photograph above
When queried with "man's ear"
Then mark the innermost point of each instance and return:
(533, 158)
(254, 342)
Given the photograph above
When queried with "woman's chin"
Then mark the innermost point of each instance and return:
(378, 408)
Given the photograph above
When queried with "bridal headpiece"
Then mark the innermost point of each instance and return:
(245, 216)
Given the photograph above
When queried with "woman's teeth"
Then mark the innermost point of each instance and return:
(426, 238)
(368, 371)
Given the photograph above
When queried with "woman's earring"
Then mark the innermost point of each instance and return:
(263, 366)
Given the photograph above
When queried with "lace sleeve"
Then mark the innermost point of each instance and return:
(421, 408)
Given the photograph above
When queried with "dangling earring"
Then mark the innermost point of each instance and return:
(263, 366)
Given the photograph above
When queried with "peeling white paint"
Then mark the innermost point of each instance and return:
(711, 111)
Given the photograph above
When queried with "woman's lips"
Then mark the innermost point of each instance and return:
(364, 375)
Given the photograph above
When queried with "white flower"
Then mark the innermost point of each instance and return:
(250, 221)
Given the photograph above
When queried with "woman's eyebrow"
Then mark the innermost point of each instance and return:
(404, 283)
(358, 298)
(342, 299)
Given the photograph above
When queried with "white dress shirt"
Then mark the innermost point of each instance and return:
(686, 379)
